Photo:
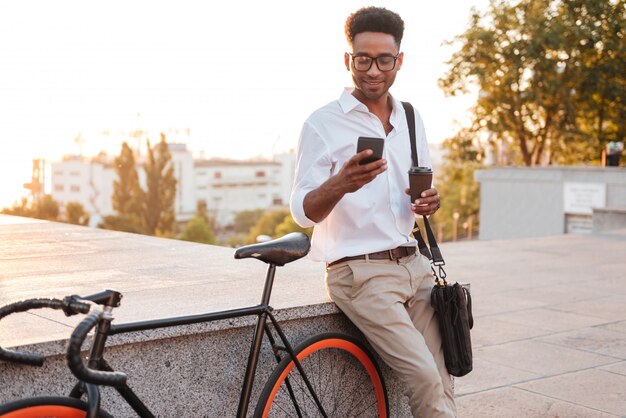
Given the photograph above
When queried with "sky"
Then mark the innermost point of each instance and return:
(232, 79)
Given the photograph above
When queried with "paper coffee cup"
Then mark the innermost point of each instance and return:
(420, 179)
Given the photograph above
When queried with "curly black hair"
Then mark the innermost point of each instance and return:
(374, 19)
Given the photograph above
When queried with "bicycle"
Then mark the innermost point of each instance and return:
(298, 386)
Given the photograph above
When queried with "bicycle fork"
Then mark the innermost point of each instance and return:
(97, 362)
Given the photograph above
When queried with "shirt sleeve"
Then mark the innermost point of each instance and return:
(313, 167)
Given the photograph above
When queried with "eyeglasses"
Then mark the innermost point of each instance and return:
(383, 62)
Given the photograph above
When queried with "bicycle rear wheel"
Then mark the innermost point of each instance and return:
(343, 373)
(47, 406)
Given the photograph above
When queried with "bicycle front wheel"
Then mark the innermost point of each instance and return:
(47, 406)
(343, 374)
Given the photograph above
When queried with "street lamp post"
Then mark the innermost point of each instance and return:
(455, 217)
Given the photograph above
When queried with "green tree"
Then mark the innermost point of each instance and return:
(200, 228)
(460, 193)
(266, 225)
(599, 29)
(550, 75)
(75, 213)
(124, 223)
(127, 193)
(245, 220)
(128, 196)
(160, 195)
(289, 225)
(46, 208)
(20, 208)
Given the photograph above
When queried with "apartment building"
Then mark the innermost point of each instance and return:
(227, 186)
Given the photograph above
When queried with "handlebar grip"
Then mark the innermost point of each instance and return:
(75, 362)
(23, 357)
(70, 305)
(26, 305)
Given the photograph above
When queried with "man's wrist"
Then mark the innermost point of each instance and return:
(333, 188)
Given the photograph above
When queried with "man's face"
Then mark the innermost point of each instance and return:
(373, 84)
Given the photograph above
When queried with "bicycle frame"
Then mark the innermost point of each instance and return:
(261, 311)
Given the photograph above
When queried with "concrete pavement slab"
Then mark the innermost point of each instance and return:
(541, 358)
(592, 388)
(495, 304)
(593, 339)
(494, 332)
(488, 375)
(516, 403)
(612, 308)
(619, 326)
(550, 319)
(618, 368)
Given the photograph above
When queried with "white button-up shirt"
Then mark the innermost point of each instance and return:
(376, 217)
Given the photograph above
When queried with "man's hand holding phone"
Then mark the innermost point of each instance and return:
(355, 175)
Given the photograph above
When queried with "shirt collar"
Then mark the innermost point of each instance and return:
(349, 103)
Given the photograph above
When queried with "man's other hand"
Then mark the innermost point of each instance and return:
(427, 204)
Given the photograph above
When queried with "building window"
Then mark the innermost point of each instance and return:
(217, 175)
(277, 201)
(75, 188)
(57, 172)
(58, 187)
(202, 173)
(75, 173)
(259, 174)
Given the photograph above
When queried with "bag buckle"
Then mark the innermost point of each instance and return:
(440, 279)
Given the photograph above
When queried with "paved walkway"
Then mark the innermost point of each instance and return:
(550, 313)
(550, 326)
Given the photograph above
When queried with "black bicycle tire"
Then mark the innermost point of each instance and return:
(43, 401)
(276, 381)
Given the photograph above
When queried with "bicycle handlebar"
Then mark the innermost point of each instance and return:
(69, 305)
(75, 362)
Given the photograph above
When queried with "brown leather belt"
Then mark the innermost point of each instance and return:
(394, 254)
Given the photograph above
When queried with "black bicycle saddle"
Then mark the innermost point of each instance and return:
(279, 251)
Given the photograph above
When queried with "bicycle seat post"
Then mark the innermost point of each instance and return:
(269, 283)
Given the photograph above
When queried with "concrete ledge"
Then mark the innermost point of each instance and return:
(174, 370)
(196, 374)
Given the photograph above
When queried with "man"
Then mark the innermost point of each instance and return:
(363, 218)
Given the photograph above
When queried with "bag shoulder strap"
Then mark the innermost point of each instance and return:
(435, 253)
(410, 119)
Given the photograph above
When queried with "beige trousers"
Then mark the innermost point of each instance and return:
(389, 301)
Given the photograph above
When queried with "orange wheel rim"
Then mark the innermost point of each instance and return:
(48, 411)
(348, 346)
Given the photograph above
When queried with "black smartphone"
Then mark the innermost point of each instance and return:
(375, 144)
